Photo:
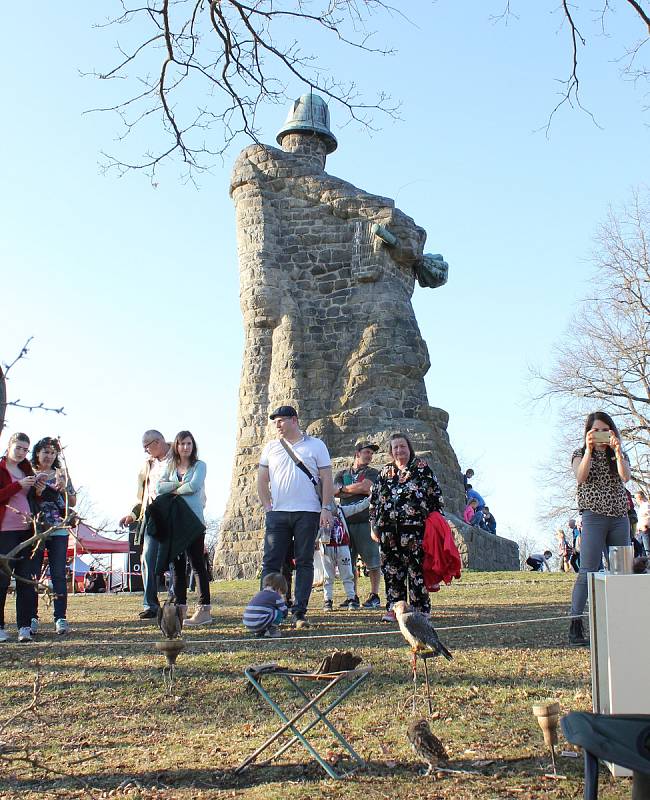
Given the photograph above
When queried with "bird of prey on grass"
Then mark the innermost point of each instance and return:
(170, 620)
(418, 631)
(425, 744)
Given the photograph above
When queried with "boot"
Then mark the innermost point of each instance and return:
(577, 636)
(201, 616)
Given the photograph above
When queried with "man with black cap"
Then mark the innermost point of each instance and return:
(294, 484)
(350, 486)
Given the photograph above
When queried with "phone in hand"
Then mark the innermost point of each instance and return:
(600, 437)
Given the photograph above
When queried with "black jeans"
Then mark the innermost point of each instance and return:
(22, 568)
(301, 528)
(195, 553)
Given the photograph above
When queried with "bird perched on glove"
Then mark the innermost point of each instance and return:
(425, 744)
(170, 620)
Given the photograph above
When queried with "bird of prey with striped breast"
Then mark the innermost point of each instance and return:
(418, 631)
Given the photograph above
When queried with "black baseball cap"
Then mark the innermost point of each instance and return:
(284, 411)
(363, 445)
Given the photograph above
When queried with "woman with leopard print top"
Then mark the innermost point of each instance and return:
(602, 469)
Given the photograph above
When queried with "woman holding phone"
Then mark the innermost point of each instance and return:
(602, 469)
(53, 498)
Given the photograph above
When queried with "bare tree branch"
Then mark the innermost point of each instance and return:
(246, 53)
(4, 403)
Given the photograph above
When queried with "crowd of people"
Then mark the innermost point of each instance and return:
(386, 518)
(476, 512)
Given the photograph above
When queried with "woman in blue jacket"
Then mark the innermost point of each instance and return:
(185, 476)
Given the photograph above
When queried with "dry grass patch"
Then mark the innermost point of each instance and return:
(104, 727)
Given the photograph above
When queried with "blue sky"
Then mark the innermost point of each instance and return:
(131, 291)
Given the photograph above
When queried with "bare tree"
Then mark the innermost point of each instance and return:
(4, 403)
(603, 361)
(241, 54)
(575, 19)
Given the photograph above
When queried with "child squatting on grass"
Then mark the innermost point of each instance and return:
(267, 609)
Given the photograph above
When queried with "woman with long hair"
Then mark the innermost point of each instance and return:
(16, 480)
(602, 469)
(53, 497)
(185, 476)
(403, 496)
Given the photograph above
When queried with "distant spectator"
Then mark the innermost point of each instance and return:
(643, 524)
(488, 522)
(564, 550)
(467, 477)
(94, 582)
(538, 562)
(472, 494)
(471, 513)
(574, 539)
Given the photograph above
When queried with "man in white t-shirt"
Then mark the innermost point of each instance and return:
(294, 510)
(158, 454)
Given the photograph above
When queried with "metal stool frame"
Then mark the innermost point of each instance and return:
(331, 680)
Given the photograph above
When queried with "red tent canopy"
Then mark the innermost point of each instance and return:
(89, 541)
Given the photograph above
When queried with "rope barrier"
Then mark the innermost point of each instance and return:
(304, 638)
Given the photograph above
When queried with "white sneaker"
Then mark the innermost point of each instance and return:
(34, 626)
(24, 634)
(4, 636)
(61, 626)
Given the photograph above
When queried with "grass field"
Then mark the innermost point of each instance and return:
(103, 726)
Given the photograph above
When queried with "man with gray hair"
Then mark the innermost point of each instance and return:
(158, 454)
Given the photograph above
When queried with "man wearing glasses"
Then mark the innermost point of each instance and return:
(158, 454)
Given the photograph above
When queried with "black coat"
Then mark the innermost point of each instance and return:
(174, 525)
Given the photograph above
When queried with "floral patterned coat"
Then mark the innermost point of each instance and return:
(404, 497)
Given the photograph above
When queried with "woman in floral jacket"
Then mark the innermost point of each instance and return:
(403, 496)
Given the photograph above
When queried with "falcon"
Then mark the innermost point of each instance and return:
(170, 620)
(425, 744)
(418, 631)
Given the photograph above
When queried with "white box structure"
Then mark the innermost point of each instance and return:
(620, 646)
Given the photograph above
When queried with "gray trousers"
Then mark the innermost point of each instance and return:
(598, 532)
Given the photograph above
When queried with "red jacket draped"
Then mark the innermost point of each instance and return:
(441, 557)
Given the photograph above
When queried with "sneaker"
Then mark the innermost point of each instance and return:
(61, 626)
(351, 604)
(4, 636)
(149, 613)
(272, 632)
(328, 605)
(299, 621)
(389, 616)
(25, 634)
(577, 636)
(33, 626)
(372, 601)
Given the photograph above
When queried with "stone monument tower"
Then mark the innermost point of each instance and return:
(327, 272)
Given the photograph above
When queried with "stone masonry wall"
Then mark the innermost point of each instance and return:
(329, 328)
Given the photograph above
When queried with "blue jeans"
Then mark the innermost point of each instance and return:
(283, 527)
(598, 532)
(22, 568)
(57, 550)
(149, 577)
(645, 538)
